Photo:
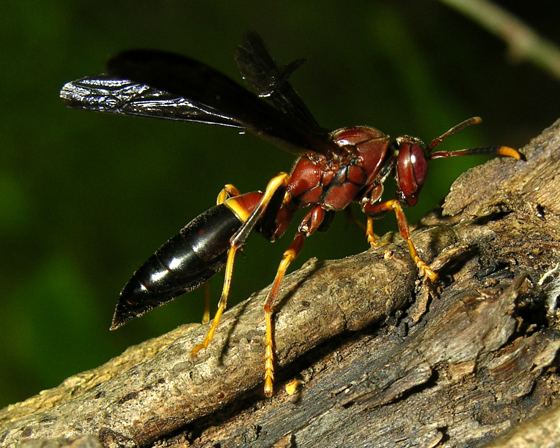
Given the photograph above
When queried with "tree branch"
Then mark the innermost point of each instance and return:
(384, 359)
(524, 43)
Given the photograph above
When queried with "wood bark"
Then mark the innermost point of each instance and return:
(383, 359)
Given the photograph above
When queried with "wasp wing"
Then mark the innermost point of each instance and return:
(167, 85)
(269, 81)
(105, 93)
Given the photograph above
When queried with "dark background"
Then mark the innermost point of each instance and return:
(85, 197)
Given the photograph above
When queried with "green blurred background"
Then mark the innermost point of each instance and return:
(85, 197)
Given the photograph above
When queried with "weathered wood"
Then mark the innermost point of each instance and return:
(455, 365)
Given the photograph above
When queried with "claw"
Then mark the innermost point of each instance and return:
(426, 272)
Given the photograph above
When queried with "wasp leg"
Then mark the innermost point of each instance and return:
(371, 239)
(368, 228)
(278, 181)
(206, 311)
(310, 223)
(225, 193)
(394, 205)
(237, 242)
(221, 304)
(370, 199)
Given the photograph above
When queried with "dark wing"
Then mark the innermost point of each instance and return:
(105, 93)
(269, 81)
(188, 90)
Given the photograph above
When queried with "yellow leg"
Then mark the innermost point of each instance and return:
(310, 223)
(369, 232)
(423, 267)
(236, 242)
(287, 259)
(374, 196)
(278, 181)
(269, 356)
(395, 206)
(227, 192)
(206, 312)
(221, 304)
(293, 386)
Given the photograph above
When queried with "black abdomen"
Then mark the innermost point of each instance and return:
(180, 265)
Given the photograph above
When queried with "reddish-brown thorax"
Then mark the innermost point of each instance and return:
(334, 182)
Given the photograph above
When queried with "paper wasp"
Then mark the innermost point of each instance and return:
(333, 169)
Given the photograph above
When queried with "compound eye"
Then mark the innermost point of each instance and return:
(412, 168)
(419, 164)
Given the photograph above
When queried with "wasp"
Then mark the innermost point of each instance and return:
(333, 169)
